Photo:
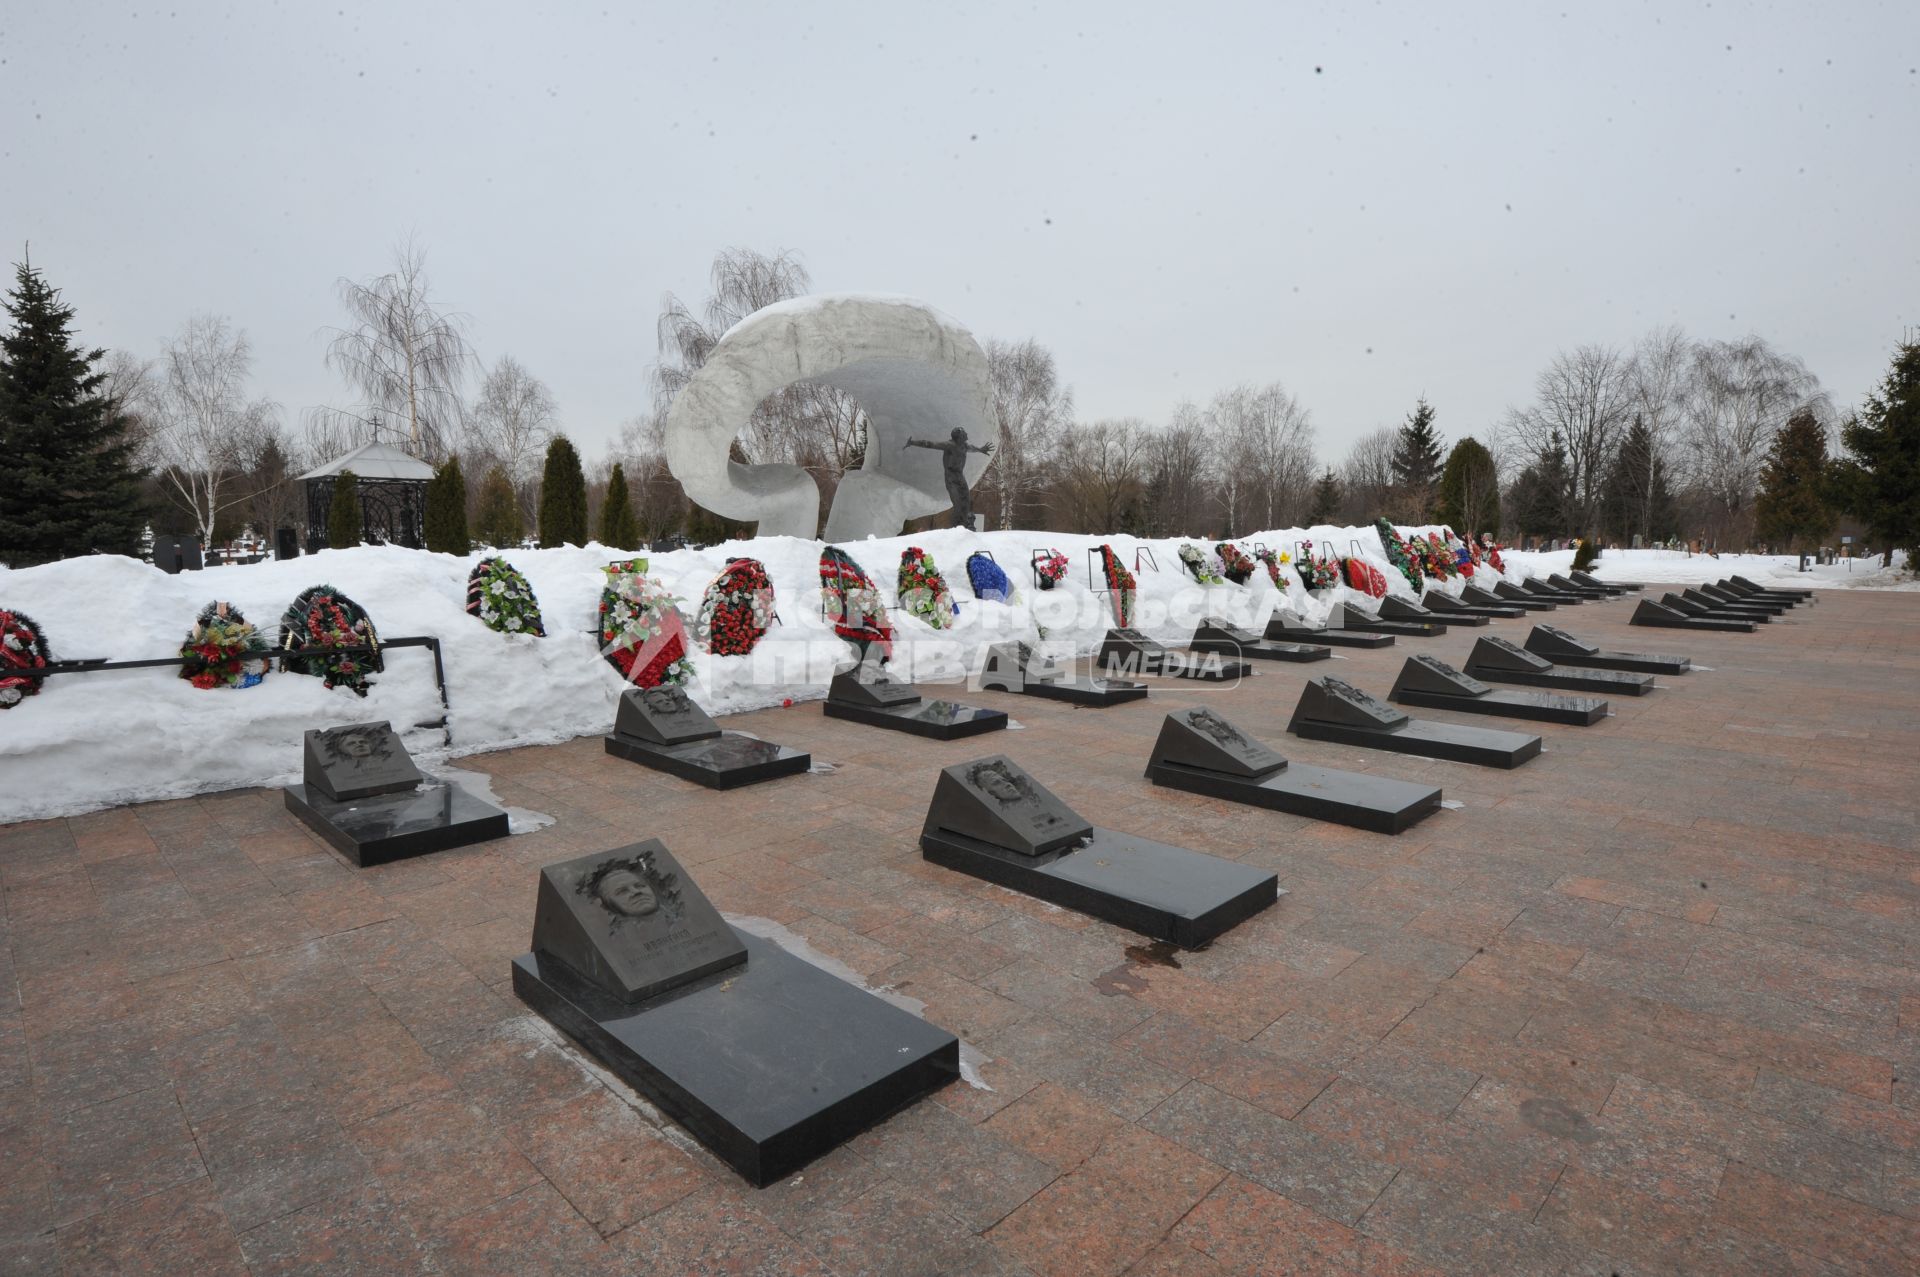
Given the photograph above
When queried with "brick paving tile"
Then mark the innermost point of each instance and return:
(1650, 1004)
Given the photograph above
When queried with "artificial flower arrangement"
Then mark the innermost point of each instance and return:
(1050, 570)
(1493, 552)
(1399, 555)
(223, 650)
(502, 599)
(1318, 573)
(987, 580)
(1434, 559)
(1234, 565)
(641, 633)
(1465, 556)
(851, 601)
(22, 647)
(736, 609)
(323, 617)
(1198, 565)
(1120, 585)
(923, 591)
(1365, 577)
(1274, 561)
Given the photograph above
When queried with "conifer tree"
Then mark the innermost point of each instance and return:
(1468, 498)
(447, 508)
(1326, 499)
(1638, 497)
(343, 517)
(1792, 504)
(71, 483)
(1880, 481)
(1416, 463)
(617, 526)
(563, 497)
(497, 521)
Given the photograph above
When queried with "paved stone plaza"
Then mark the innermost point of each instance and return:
(1648, 1004)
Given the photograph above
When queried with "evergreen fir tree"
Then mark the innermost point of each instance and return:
(563, 497)
(343, 517)
(1326, 499)
(1416, 463)
(1468, 499)
(617, 527)
(72, 482)
(497, 521)
(447, 508)
(1792, 505)
(1638, 498)
(1539, 495)
(1880, 481)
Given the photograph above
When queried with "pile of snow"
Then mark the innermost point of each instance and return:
(97, 740)
(1677, 567)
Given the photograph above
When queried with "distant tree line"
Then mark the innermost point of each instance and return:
(1732, 442)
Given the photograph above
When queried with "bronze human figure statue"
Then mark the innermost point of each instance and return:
(953, 461)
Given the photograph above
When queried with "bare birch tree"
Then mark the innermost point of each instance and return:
(1658, 377)
(1584, 400)
(1738, 395)
(511, 424)
(1180, 476)
(205, 431)
(1101, 476)
(1366, 476)
(1029, 405)
(1266, 440)
(405, 357)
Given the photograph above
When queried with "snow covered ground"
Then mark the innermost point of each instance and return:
(1783, 570)
(97, 740)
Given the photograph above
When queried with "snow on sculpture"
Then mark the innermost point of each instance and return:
(914, 372)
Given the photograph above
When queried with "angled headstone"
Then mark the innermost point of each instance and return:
(1332, 700)
(1431, 674)
(1396, 608)
(1134, 640)
(1003, 665)
(662, 716)
(993, 800)
(631, 922)
(358, 760)
(1344, 616)
(1201, 738)
(1492, 652)
(1214, 627)
(874, 692)
(1551, 641)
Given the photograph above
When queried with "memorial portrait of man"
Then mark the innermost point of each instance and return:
(632, 890)
(357, 747)
(665, 701)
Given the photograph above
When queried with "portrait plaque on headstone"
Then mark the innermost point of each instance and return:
(358, 760)
(1431, 674)
(995, 801)
(1500, 653)
(1332, 700)
(866, 685)
(631, 922)
(1563, 641)
(662, 716)
(1201, 738)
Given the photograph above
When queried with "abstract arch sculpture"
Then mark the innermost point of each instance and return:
(915, 372)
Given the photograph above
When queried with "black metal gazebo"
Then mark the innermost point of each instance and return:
(393, 495)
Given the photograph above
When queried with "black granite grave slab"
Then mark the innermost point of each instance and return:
(1539, 589)
(1661, 616)
(1216, 635)
(1200, 753)
(866, 687)
(991, 820)
(769, 1064)
(357, 760)
(1508, 592)
(1284, 626)
(1716, 603)
(1332, 710)
(936, 720)
(1737, 579)
(1562, 648)
(1758, 602)
(1618, 587)
(727, 761)
(662, 716)
(434, 816)
(1566, 586)
(1395, 608)
(1755, 594)
(1346, 616)
(1129, 652)
(631, 922)
(1496, 660)
(1435, 601)
(1011, 667)
(1695, 608)
(1431, 683)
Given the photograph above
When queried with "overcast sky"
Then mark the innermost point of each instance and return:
(1366, 203)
